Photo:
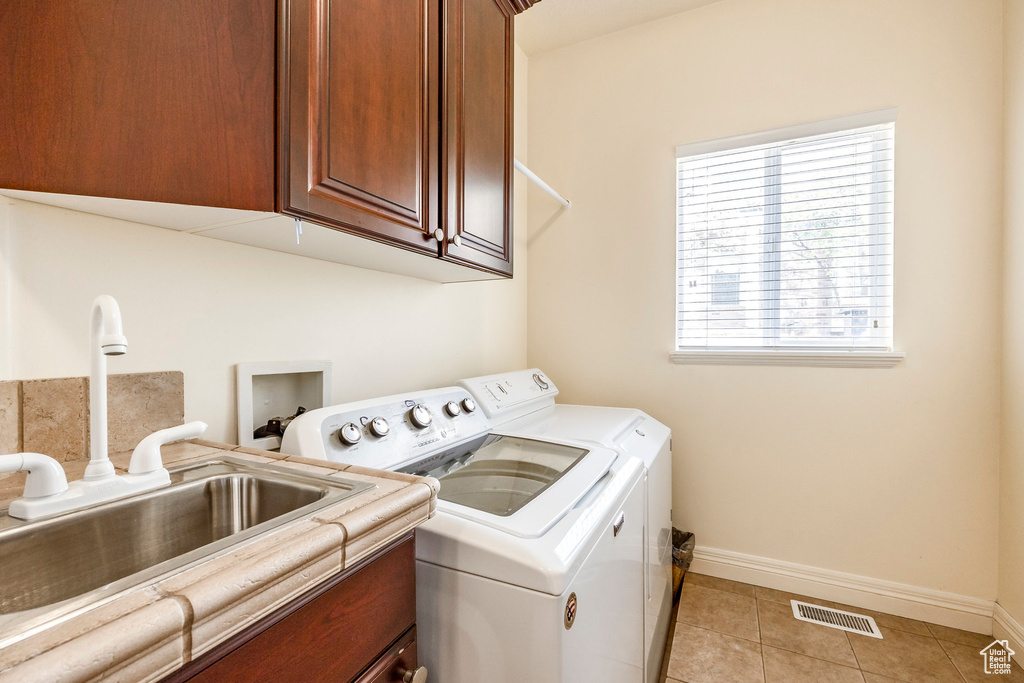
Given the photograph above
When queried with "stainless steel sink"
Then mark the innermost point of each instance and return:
(209, 506)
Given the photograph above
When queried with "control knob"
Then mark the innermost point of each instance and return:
(350, 434)
(469, 405)
(420, 416)
(541, 381)
(452, 408)
(379, 427)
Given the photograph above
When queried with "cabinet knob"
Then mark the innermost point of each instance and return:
(439, 235)
(456, 240)
(416, 676)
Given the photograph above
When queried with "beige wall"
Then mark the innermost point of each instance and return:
(891, 474)
(200, 305)
(1011, 473)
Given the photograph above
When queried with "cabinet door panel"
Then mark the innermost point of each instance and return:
(478, 134)
(373, 123)
(362, 129)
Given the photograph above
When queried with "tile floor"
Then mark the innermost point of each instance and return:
(728, 632)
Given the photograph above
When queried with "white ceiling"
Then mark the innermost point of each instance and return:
(556, 23)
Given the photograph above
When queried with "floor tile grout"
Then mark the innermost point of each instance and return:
(817, 659)
(955, 667)
(855, 657)
(762, 646)
(760, 638)
(721, 633)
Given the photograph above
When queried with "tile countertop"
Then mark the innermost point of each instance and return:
(148, 631)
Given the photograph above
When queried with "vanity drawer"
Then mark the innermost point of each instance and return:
(392, 667)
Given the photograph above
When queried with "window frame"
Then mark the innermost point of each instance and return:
(788, 353)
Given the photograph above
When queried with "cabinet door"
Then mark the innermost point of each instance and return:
(477, 175)
(359, 117)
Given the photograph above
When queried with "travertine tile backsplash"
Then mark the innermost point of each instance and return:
(51, 416)
(55, 417)
(10, 417)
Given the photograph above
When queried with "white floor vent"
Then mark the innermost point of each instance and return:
(834, 618)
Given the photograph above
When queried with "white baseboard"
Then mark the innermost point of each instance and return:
(948, 609)
(1008, 628)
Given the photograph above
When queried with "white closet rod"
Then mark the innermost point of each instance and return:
(544, 186)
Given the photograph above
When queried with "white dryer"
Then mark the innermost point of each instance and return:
(524, 402)
(533, 567)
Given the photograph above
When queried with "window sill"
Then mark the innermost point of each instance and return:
(817, 358)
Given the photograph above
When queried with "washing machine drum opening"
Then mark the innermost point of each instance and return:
(505, 473)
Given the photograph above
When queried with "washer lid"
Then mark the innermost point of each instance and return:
(519, 485)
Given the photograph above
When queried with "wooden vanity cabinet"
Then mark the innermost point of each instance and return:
(358, 627)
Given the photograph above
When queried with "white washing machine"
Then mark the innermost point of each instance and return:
(533, 567)
(524, 403)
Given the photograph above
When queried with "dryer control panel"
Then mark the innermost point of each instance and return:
(509, 395)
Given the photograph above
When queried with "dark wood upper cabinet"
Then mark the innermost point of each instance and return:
(156, 101)
(477, 176)
(390, 120)
(360, 96)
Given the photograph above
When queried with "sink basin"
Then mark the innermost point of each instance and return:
(209, 506)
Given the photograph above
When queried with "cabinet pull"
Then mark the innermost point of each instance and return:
(415, 676)
(439, 235)
(456, 240)
(617, 526)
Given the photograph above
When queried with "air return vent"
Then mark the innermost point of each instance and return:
(834, 618)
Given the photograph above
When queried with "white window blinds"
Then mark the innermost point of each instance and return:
(785, 239)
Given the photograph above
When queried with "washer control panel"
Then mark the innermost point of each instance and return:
(387, 433)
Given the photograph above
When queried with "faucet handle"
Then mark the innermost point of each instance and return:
(146, 456)
(45, 475)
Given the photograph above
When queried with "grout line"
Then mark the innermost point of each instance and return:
(854, 651)
(819, 659)
(721, 633)
(21, 416)
(760, 640)
(955, 667)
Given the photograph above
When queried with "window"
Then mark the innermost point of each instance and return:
(785, 239)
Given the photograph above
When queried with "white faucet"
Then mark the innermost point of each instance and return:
(106, 339)
(47, 491)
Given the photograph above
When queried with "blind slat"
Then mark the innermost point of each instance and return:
(693, 233)
(705, 176)
(702, 198)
